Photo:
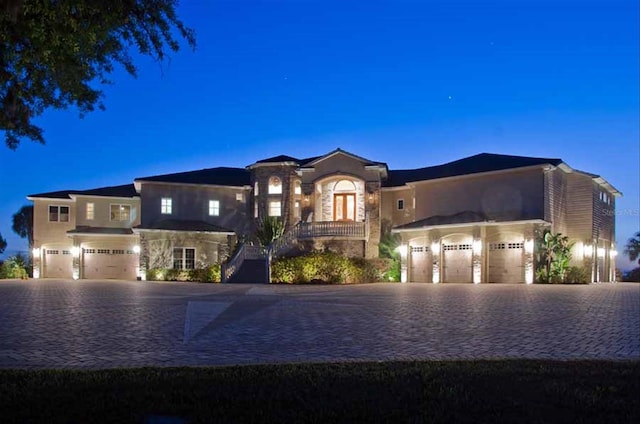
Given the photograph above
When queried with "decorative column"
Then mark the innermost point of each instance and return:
(435, 249)
(404, 265)
(143, 258)
(36, 261)
(528, 259)
(75, 254)
(477, 261)
(587, 254)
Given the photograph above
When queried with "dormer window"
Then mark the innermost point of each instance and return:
(275, 185)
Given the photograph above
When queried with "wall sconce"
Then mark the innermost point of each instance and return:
(75, 252)
(613, 253)
(435, 247)
(371, 197)
(402, 249)
(587, 250)
(136, 249)
(306, 198)
(36, 252)
(601, 252)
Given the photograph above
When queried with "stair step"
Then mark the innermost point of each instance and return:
(252, 271)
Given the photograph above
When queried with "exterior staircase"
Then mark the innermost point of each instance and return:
(251, 264)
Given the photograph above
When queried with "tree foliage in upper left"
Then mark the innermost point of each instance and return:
(53, 54)
(3, 244)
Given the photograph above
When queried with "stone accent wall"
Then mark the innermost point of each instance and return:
(348, 248)
(288, 176)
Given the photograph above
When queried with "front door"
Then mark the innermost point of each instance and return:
(344, 207)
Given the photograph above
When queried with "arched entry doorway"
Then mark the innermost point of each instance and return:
(344, 201)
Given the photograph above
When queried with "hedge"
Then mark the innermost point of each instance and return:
(210, 274)
(328, 268)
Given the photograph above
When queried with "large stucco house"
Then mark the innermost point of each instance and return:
(473, 220)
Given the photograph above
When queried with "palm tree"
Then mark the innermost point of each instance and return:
(632, 248)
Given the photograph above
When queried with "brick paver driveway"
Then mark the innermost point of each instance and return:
(98, 324)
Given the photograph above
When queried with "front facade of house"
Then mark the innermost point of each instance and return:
(475, 220)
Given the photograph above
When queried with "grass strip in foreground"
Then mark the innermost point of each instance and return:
(452, 391)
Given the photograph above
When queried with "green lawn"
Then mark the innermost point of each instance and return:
(466, 391)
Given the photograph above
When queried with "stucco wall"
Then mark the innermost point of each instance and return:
(512, 195)
(45, 232)
(192, 203)
(102, 211)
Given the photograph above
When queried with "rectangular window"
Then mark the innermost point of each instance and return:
(120, 212)
(90, 211)
(184, 258)
(240, 197)
(58, 213)
(256, 191)
(275, 209)
(255, 209)
(214, 207)
(166, 206)
(400, 204)
(296, 209)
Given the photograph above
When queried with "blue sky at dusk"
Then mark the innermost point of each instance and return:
(409, 83)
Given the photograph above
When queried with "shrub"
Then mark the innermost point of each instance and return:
(14, 267)
(576, 275)
(209, 274)
(327, 267)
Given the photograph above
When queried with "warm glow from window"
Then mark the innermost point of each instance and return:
(297, 188)
(120, 212)
(344, 185)
(275, 209)
(166, 206)
(275, 186)
(214, 207)
(90, 211)
(255, 189)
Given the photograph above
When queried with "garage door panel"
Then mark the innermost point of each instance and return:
(421, 267)
(58, 263)
(110, 264)
(506, 262)
(457, 263)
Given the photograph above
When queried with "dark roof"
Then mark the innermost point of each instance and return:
(126, 190)
(184, 225)
(457, 218)
(285, 158)
(483, 162)
(214, 176)
(63, 194)
(339, 150)
(100, 230)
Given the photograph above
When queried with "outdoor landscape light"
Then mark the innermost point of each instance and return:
(136, 249)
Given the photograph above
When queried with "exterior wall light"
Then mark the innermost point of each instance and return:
(587, 250)
(36, 251)
(601, 252)
(613, 253)
(477, 247)
(402, 249)
(528, 246)
(136, 249)
(75, 252)
(435, 247)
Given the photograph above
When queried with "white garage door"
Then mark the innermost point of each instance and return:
(58, 263)
(110, 263)
(457, 263)
(506, 262)
(420, 264)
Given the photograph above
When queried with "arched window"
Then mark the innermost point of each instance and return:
(297, 188)
(275, 185)
(344, 186)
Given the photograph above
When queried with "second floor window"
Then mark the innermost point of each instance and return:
(166, 206)
(214, 207)
(275, 185)
(58, 213)
(90, 211)
(400, 204)
(275, 209)
(120, 212)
